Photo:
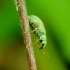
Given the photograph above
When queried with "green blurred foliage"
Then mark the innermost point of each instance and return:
(56, 17)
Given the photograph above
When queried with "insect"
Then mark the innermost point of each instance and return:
(38, 28)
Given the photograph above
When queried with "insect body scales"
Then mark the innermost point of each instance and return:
(39, 30)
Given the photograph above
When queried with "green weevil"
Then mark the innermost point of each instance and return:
(39, 30)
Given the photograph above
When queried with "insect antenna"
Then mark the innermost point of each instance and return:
(45, 52)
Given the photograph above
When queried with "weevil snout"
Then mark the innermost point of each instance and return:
(41, 47)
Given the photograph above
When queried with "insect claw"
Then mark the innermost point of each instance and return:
(29, 45)
(26, 32)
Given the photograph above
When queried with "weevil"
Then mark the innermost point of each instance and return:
(39, 30)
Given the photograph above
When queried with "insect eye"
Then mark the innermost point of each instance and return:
(41, 40)
(43, 44)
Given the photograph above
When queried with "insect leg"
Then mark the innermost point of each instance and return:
(26, 32)
(45, 52)
(33, 44)
(36, 42)
(36, 25)
(35, 32)
(15, 4)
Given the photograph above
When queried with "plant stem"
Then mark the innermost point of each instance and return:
(21, 7)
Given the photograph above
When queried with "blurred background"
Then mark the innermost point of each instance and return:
(55, 15)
